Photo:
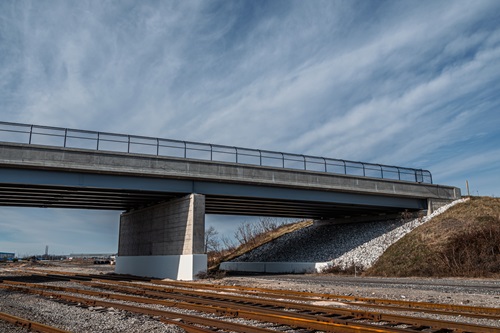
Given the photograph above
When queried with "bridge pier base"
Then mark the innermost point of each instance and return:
(165, 240)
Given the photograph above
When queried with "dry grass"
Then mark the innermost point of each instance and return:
(463, 241)
(268, 236)
(337, 270)
(257, 240)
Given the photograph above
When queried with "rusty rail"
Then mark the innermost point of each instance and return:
(32, 326)
(361, 301)
(319, 311)
(437, 308)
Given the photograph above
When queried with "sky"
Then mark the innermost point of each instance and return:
(407, 83)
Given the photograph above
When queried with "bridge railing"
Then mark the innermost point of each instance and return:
(82, 139)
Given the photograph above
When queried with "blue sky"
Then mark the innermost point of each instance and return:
(410, 83)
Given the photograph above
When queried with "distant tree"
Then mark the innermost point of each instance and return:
(228, 243)
(212, 243)
(245, 233)
(267, 224)
(249, 233)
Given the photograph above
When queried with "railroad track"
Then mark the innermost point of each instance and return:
(188, 322)
(369, 302)
(297, 311)
(30, 325)
(399, 305)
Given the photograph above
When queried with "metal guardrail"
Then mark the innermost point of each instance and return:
(102, 141)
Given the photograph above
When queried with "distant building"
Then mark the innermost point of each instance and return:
(7, 255)
(91, 255)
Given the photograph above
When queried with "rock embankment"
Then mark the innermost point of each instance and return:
(342, 244)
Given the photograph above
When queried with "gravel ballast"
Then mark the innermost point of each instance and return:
(342, 245)
(78, 319)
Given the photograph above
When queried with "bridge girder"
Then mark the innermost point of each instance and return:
(43, 188)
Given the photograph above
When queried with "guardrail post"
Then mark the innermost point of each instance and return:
(98, 134)
(305, 163)
(283, 159)
(157, 147)
(324, 159)
(31, 134)
(65, 136)
(236, 149)
(381, 172)
(185, 149)
(128, 143)
(419, 176)
(260, 158)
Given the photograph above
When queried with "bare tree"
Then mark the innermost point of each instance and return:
(267, 224)
(249, 233)
(245, 233)
(228, 243)
(212, 243)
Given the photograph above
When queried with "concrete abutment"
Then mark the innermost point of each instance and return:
(434, 204)
(165, 240)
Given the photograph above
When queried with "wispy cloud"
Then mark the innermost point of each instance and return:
(411, 83)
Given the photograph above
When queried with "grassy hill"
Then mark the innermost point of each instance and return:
(463, 242)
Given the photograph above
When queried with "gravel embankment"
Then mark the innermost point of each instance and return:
(343, 245)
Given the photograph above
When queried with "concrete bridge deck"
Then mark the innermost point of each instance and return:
(44, 176)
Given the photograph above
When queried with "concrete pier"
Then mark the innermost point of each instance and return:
(165, 240)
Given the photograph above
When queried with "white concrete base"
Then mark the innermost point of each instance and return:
(274, 267)
(176, 267)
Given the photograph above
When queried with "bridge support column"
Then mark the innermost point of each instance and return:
(165, 240)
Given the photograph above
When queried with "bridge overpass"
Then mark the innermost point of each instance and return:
(165, 188)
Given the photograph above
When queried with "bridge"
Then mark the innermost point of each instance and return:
(165, 188)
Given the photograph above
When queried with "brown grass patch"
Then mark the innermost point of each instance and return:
(463, 241)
